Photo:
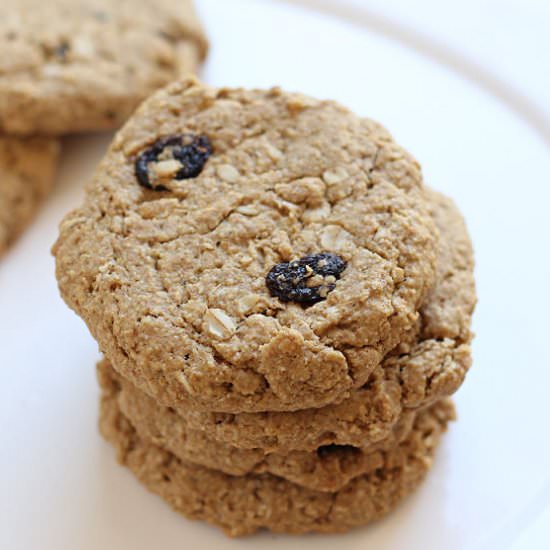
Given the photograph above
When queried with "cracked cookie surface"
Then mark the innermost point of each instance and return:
(241, 505)
(421, 372)
(70, 66)
(27, 174)
(172, 282)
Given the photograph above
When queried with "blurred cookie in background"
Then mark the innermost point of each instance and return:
(78, 66)
(28, 169)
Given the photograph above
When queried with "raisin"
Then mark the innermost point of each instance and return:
(307, 280)
(326, 451)
(189, 150)
(61, 51)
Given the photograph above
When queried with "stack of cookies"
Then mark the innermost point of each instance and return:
(68, 67)
(283, 307)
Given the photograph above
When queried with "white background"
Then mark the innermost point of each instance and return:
(463, 85)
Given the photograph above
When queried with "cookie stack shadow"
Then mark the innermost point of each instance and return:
(324, 469)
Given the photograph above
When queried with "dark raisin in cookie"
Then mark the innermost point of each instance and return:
(306, 281)
(172, 158)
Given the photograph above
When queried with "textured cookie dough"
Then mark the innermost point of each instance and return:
(241, 505)
(327, 468)
(27, 169)
(172, 283)
(448, 307)
(70, 65)
(432, 367)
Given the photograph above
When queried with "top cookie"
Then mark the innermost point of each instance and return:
(250, 250)
(70, 66)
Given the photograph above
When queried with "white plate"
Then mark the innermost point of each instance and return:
(60, 486)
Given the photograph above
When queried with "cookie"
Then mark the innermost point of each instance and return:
(327, 468)
(448, 307)
(71, 66)
(28, 169)
(419, 374)
(249, 250)
(241, 505)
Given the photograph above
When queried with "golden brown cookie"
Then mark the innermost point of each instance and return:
(69, 66)
(327, 468)
(28, 169)
(448, 307)
(241, 505)
(430, 367)
(249, 250)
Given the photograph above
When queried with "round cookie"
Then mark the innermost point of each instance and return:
(421, 372)
(28, 169)
(327, 468)
(181, 258)
(241, 505)
(70, 66)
